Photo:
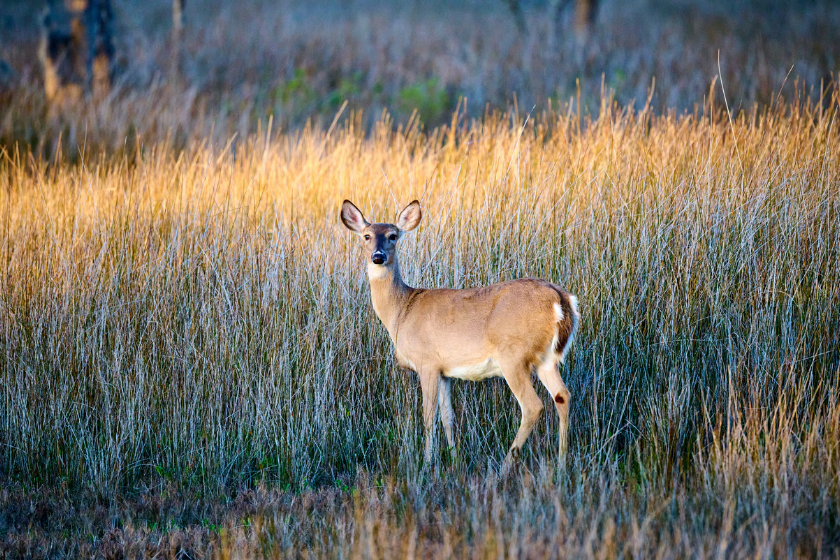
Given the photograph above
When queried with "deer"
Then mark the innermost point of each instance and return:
(504, 330)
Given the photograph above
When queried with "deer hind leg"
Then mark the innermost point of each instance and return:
(553, 382)
(447, 416)
(518, 377)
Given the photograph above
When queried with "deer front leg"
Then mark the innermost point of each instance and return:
(447, 416)
(429, 381)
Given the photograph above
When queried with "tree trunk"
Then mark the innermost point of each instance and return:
(585, 12)
(178, 15)
(76, 49)
(177, 27)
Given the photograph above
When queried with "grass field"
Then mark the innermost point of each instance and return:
(190, 358)
(190, 365)
(299, 61)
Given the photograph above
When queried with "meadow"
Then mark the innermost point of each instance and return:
(189, 347)
(190, 365)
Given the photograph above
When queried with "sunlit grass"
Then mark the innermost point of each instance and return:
(199, 322)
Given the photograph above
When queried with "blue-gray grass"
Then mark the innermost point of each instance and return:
(201, 320)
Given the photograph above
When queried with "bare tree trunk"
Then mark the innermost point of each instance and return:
(516, 10)
(178, 16)
(585, 13)
(59, 51)
(100, 58)
(76, 50)
(177, 28)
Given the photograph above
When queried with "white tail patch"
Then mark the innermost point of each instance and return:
(573, 303)
(558, 311)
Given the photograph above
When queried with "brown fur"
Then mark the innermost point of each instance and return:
(470, 333)
(565, 327)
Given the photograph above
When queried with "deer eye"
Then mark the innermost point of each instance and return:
(367, 237)
(393, 237)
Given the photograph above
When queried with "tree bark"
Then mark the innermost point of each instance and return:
(76, 49)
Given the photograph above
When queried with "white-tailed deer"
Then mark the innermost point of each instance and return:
(503, 330)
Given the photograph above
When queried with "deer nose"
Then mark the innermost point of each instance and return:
(378, 257)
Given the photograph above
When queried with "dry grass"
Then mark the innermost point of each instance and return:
(293, 61)
(190, 360)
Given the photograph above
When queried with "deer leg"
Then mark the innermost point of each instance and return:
(447, 416)
(518, 377)
(553, 382)
(429, 381)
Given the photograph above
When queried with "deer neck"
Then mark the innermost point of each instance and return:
(388, 292)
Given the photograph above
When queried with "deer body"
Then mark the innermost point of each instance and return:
(503, 330)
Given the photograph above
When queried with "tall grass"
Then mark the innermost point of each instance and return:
(296, 61)
(199, 322)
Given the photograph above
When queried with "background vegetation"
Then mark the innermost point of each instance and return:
(190, 365)
(246, 63)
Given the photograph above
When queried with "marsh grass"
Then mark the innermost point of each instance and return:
(190, 361)
(294, 62)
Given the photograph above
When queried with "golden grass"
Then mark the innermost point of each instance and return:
(299, 61)
(198, 324)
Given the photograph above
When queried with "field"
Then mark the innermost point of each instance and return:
(190, 365)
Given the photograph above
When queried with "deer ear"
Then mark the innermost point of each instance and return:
(410, 216)
(353, 217)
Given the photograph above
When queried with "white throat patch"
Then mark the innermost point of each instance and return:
(376, 271)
